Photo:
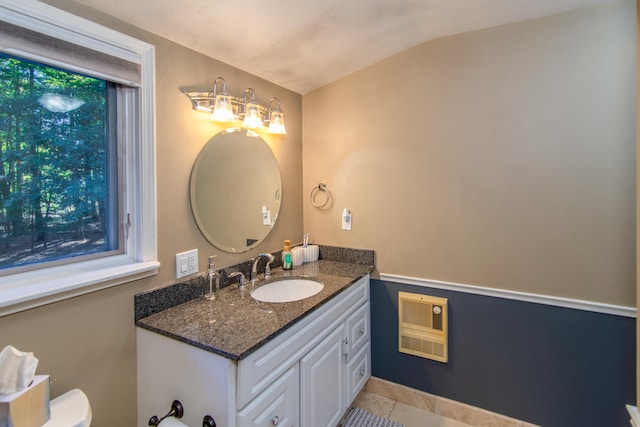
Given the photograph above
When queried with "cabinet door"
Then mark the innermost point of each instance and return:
(322, 383)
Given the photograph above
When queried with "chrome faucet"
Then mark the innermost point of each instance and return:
(267, 268)
(241, 281)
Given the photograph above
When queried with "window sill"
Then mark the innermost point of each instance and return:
(23, 291)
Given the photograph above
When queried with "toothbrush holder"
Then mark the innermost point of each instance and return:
(297, 256)
(311, 253)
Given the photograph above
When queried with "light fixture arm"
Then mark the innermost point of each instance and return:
(252, 97)
(216, 82)
(275, 101)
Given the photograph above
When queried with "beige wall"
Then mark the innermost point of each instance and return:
(89, 341)
(501, 158)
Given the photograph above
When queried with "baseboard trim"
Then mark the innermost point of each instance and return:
(635, 416)
(616, 310)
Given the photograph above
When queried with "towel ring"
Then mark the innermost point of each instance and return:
(321, 188)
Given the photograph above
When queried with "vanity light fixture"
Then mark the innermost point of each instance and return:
(222, 108)
(226, 108)
(276, 117)
(252, 117)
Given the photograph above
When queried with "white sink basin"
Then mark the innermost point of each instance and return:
(287, 290)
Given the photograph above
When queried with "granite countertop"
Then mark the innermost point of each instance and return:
(234, 325)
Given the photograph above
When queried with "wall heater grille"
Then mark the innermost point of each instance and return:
(423, 326)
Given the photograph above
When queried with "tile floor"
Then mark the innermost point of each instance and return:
(415, 408)
(410, 416)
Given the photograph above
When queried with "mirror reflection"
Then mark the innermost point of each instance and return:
(235, 190)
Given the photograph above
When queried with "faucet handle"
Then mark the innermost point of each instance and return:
(267, 270)
(241, 281)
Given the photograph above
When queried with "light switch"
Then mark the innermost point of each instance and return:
(186, 263)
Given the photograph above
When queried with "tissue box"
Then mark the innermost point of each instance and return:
(28, 407)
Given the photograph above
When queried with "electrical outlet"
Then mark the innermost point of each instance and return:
(186, 263)
(346, 220)
(266, 216)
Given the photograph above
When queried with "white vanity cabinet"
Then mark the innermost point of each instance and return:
(306, 376)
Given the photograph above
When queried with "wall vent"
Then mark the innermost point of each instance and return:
(423, 326)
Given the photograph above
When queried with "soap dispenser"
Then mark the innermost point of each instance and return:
(287, 262)
(214, 281)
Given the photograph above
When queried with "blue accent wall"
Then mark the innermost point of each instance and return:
(547, 365)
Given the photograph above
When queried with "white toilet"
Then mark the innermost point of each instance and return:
(71, 409)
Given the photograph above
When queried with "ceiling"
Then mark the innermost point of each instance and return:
(302, 44)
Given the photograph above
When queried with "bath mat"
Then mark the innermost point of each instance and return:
(358, 417)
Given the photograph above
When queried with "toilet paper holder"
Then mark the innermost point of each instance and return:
(177, 411)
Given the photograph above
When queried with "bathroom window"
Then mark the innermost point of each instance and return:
(77, 157)
(58, 166)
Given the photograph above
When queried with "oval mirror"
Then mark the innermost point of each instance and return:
(235, 190)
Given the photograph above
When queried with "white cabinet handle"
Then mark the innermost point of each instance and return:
(346, 340)
(361, 331)
(346, 357)
(362, 372)
(275, 420)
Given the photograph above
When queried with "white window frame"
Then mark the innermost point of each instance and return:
(34, 288)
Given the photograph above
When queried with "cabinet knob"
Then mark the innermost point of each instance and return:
(346, 340)
(361, 331)
(362, 372)
(275, 420)
(346, 357)
(208, 421)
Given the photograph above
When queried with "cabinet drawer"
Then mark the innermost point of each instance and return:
(358, 325)
(358, 372)
(277, 405)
